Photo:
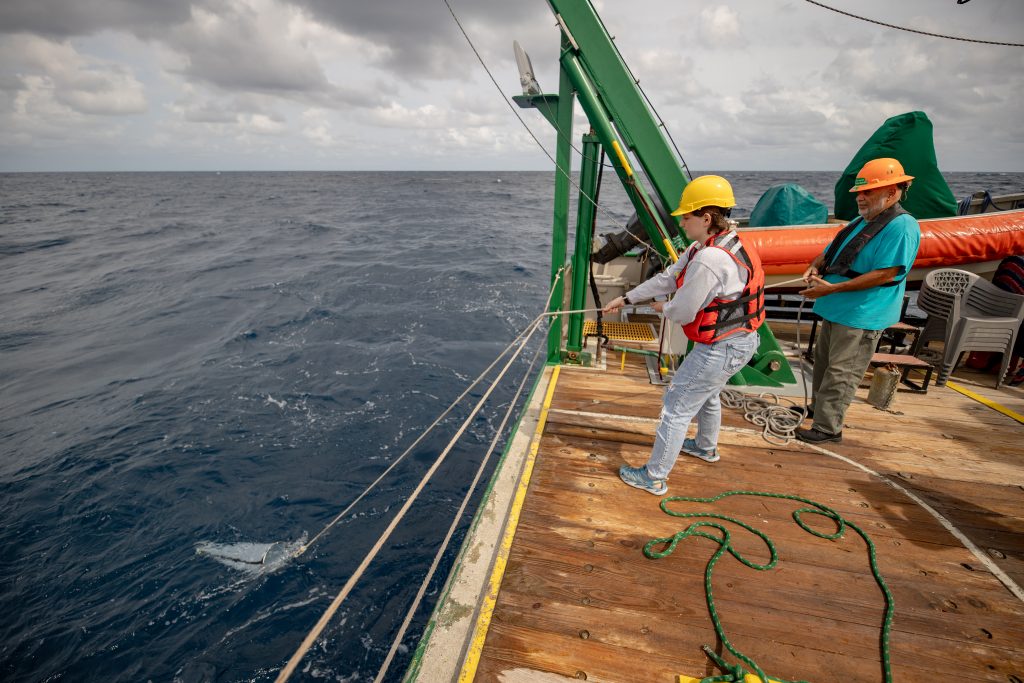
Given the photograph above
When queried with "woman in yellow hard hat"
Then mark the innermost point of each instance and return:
(857, 285)
(718, 287)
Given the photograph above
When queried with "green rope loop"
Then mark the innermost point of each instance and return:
(736, 672)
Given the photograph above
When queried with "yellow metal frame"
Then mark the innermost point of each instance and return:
(638, 332)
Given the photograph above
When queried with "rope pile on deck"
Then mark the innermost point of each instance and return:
(735, 673)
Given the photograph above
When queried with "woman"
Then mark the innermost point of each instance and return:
(719, 300)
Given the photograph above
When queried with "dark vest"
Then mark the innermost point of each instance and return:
(839, 262)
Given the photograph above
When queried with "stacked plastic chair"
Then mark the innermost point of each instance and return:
(939, 298)
(988, 320)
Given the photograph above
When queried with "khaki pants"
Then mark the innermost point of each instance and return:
(841, 357)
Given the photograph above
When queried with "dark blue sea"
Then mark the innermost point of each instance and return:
(231, 358)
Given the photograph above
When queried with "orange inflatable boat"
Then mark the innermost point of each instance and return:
(976, 242)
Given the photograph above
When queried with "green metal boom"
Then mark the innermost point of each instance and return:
(593, 71)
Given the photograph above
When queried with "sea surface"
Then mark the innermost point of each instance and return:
(226, 360)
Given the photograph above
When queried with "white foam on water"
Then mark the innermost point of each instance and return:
(252, 558)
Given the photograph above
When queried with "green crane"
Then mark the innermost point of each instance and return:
(622, 127)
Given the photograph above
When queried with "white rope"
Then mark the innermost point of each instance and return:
(454, 525)
(318, 628)
(521, 339)
(434, 424)
(778, 422)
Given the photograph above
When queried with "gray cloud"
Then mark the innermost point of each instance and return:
(741, 83)
(421, 38)
(62, 19)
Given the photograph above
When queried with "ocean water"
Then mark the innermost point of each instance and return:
(201, 360)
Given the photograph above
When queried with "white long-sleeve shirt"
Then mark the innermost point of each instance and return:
(712, 273)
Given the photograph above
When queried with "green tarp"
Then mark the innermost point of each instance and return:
(907, 138)
(787, 204)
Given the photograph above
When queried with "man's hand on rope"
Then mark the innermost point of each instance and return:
(818, 287)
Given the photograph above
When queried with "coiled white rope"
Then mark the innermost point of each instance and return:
(778, 421)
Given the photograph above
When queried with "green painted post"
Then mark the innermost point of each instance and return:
(589, 171)
(606, 133)
(560, 227)
(623, 99)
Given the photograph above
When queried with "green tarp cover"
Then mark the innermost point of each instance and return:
(788, 204)
(907, 138)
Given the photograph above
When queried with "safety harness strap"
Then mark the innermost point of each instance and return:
(839, 261)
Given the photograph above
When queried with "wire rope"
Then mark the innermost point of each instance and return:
(559, 131)
(913, 30)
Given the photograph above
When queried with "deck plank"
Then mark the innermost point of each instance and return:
(579, 598)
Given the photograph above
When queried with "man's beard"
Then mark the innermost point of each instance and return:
(873, 208)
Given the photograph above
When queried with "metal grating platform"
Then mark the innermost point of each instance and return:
(639, 332)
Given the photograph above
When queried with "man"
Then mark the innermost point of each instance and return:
(857, 285)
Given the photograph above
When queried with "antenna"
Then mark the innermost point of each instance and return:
(526, 78)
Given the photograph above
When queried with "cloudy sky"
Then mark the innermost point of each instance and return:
(392, 84)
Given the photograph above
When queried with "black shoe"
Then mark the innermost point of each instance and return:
(812, 435)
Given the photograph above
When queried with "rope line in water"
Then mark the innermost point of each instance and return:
(521, 340)
(913, 30)
(397, 641)
(328, 614)
(736, 672)
(430, 428)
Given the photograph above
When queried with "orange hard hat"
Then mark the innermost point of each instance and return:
(879, 173)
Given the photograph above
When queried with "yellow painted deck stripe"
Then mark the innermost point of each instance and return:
(981, 399)
(483, 621)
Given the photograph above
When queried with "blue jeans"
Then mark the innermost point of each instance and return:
(694, 391)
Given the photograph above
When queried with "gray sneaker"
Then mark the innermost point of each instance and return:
(637, 477)
(690, 448)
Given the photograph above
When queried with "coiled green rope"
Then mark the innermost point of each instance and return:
(735, 673)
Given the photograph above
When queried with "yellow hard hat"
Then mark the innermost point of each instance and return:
(707, 190)
(879, 173)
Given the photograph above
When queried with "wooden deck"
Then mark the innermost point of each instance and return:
(579, 600)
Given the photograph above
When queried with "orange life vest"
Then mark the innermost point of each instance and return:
(723, 317)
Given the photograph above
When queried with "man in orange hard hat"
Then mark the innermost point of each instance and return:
(857, 285)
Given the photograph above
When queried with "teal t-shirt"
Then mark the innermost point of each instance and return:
(878, 307)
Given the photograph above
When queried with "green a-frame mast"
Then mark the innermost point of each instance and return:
(592, 70)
